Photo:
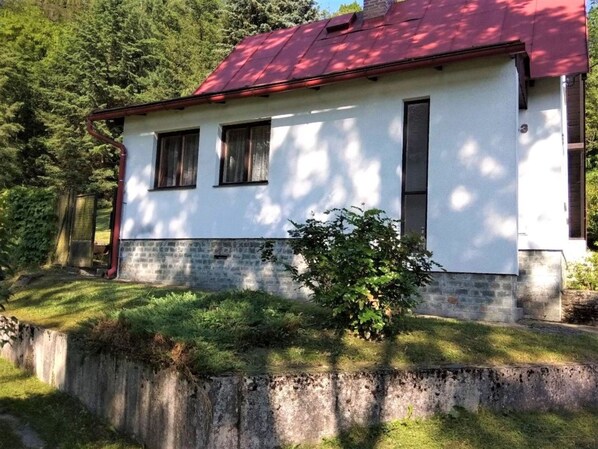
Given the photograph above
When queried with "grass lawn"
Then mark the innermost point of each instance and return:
(483, 430)
(59, 420)
(102, 236)
(251, 332)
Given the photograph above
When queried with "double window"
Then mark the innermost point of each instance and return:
(415, 167)
(245, 153)
(176, 164)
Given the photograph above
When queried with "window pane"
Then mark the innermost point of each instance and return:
(416, 148)
(191, 143)
(234, 163)
(260, 149)
(414, 213)
(169, 157)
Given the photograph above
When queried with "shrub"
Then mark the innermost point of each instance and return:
(584, 275)
(359, 267)
(27, 226)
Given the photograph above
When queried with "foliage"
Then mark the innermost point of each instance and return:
(346, 8)
(248, 17)
(592, 206)
(592, 129)
(28, 221)
(592, 90)
(26, 37)
(584, 275)
(358, 266)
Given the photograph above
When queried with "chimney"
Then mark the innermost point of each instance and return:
(375, 8)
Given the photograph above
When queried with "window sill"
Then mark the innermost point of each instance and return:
(162, 189)
(241, 184)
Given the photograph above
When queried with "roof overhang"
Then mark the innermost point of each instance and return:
(514, 48)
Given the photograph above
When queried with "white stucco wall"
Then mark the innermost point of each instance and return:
(543, 194)
(341, 146)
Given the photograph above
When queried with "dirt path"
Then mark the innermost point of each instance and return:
(29, 438)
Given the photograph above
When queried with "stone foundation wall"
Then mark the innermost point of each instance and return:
(210, 264)
(161, 409)
(540, 284)
(489, 297)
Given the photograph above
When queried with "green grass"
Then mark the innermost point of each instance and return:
(102, 236)
(250, 332)
(62, 302)
(483, 430)
(60, 421)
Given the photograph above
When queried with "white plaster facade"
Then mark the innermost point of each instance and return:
(491, 189)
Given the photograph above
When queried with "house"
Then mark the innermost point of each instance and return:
(464, 118)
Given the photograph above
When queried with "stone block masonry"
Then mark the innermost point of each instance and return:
(161, 409)
(489, 297)
(211, 264)
(540, 284)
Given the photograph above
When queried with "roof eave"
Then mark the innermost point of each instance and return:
(507, 48)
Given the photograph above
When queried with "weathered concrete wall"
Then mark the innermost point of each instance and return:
(540, 283)
(161, 409)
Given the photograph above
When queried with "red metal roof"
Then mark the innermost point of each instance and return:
(554, 33)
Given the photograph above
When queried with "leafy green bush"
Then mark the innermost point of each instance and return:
(592, 206)
(359, 267)
(584, 275)
(27, 226)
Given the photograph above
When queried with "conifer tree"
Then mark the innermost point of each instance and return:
(247, 17)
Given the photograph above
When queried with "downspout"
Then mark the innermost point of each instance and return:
(120, 194)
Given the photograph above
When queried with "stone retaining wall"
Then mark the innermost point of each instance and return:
(580, 307)
(161, 409)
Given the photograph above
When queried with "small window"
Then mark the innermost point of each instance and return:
(245, 153)
(176, 164)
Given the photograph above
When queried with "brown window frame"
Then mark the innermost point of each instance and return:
(247, 170)
(159, 171)
(404, 192)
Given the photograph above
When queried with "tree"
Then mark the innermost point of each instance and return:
(359, 267)
(592, 128)
(346, 8)
(26, 37)
(247, 17)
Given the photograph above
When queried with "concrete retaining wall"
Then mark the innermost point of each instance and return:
(162, 410)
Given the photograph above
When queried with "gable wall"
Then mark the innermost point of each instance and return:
(342, 146)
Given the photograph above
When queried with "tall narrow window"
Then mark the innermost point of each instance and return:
(176, 164)
(415, 167)
(245, 153)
